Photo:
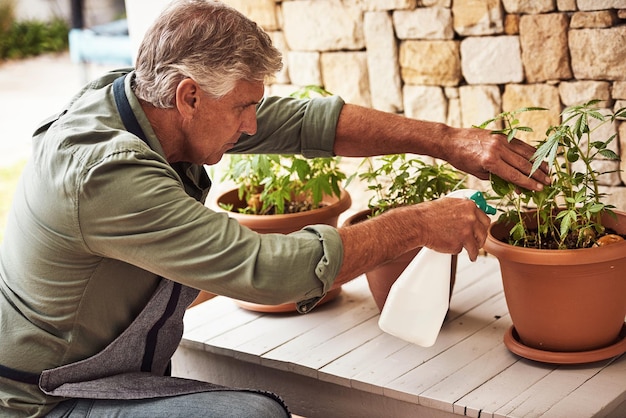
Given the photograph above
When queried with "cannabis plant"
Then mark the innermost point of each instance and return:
(569, 210)
(399, 180)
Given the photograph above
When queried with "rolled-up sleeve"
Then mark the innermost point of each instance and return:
(293, 126)
(328, 266)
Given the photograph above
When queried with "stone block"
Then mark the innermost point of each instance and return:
(600, 4)
(304, 68)
(598, 54)
(492, 60)
(424, 23)
(263, 12)
(618, 90)
(479, 104)
(566, 5)
(382, 62)
(517, 96)
(381, 5)
(425, 103)
(430, 62)
(353, 86)
(528, 6)
(477, 17)
(578, 92)
(598, 19)
(322, 25)
(544, 47)
(431, 3)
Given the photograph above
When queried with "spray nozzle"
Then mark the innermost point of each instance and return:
(480, 201)
(477, 197)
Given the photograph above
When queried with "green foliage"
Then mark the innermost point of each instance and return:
(276, 184)
(398, 180)
(32, 37)
(569, 210)
(269, 182)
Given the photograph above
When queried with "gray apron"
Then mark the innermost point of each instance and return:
(122, 370)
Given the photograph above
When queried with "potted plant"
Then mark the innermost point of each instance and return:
(283, 194)
(564, 284)
(398, 180)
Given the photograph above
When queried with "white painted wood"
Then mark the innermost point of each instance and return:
(385, 370)
(543, 395)
(496, 392)
(359, 308)
(215, 325)
(410, 385)
(597, 396)
(337, 354)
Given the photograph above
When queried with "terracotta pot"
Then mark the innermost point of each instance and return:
(328, 214)
(566, 301)
(290, 222)
(383, 277)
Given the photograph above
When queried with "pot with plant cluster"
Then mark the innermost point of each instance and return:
(561, 250)
(328, 211)
(400, 180)
(567, 306)
(384, 276)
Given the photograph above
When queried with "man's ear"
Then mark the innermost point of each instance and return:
(187, 96)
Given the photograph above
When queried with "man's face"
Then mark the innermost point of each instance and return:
(218, 123)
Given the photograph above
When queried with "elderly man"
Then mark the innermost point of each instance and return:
(109, 241)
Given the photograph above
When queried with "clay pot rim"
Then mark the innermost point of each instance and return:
(334, 207)
(545, 257)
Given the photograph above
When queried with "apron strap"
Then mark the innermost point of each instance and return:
(123, 107)
(19, 375)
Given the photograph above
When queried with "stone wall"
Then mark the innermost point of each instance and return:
(456, 61)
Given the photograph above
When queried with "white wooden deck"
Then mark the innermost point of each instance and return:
(336, 362)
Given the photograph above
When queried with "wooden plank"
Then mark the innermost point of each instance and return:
(444, 394)
(345, 317)
(217, 324)
(342, 370)
(339, 345)
(379, 374)
(215, 308)
(280, 329)
(538, 399)
(411, 385)
(483, 286)
(597, 396)
(496, 392)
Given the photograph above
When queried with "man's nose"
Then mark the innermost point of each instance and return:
(249, 123)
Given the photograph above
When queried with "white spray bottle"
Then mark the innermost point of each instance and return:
(419, 299)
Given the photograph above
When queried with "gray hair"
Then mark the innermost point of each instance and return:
(204, 40)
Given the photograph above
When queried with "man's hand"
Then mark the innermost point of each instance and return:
(446, 225)
(480, 152)
(450, 225)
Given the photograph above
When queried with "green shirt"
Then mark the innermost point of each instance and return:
(99, 215)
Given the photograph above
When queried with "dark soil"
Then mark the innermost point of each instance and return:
(551, 243)
(295, 207)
